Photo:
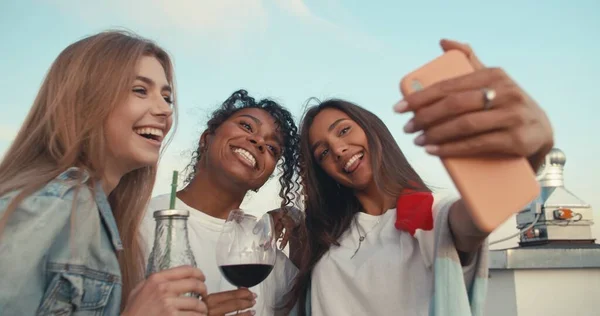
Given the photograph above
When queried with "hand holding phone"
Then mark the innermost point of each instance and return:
(484, 143)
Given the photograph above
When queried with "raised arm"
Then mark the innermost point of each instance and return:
(457, 118)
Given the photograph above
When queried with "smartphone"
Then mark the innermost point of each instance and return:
(492, 188)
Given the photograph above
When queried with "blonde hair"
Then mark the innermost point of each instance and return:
(65, 128)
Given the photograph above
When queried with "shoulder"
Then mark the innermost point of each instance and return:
(444, 195)
(442, 200)
(45, 215)
(70, 188)
(421, 210)
(72, 184)
(440, 204)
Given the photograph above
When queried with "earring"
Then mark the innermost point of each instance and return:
(255, 190)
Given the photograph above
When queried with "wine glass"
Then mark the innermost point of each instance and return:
(246, 249)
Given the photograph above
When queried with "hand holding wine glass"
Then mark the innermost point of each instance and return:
(246, 249)
(224, 303)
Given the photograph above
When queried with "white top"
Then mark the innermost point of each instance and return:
(203, 231)
(391, 274)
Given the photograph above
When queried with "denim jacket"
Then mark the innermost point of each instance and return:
(58, 251)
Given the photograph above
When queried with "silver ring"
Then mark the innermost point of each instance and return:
(488, 96)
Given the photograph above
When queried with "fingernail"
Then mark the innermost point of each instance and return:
(401, 106)
(254, 294)
(409, 127)
(420, 140)
(432, 149)
(253, 302)
(253, 312)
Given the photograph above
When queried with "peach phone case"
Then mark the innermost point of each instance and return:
(492, 188)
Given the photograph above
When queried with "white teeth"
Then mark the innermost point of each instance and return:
(246, 155)
(352, 160)
(149, 131)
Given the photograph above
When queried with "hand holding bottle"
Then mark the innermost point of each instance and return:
(162, 294)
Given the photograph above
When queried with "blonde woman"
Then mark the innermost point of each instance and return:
(76, 181)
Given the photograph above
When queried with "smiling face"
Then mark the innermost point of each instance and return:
(245, 148)
(135, 130)
(340, 146)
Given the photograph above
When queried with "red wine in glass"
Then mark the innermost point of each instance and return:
(246, 249)
(246, 275)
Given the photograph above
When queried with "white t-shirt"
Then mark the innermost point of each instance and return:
(391, 274)
(203, 231)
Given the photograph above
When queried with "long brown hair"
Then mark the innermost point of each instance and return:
(330, 207)
(65, 128)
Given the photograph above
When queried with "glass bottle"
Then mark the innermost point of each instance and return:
(171, 243)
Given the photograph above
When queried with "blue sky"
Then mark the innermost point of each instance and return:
(292, 50)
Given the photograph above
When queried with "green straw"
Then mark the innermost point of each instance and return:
(167, 257)
(173, 190)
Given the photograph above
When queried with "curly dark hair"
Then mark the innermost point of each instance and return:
(285, 124)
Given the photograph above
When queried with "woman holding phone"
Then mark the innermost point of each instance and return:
(376, 232)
